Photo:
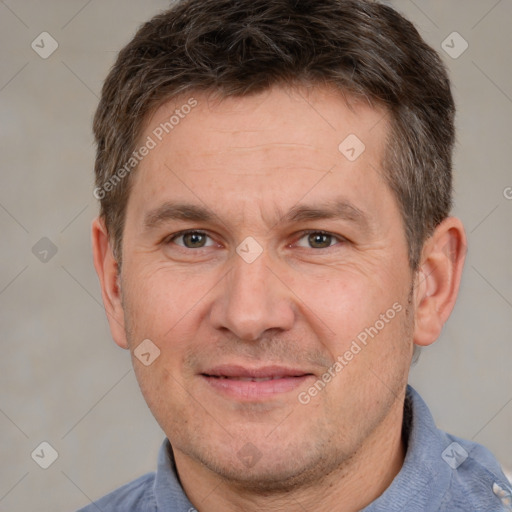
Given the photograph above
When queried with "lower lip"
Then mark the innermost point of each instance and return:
(250, 390)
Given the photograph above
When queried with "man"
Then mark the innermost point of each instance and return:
(274, 243)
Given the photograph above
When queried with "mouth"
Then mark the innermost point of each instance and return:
(252, 384)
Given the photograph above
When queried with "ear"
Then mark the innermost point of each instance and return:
(108, 273)
(438, 279)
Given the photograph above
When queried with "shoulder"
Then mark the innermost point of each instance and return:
(137, 495)
(445, 473)
(477, 481)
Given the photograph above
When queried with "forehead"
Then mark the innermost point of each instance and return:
(277, 146)
(278, 115)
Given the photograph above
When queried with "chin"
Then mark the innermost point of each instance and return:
(275, 468)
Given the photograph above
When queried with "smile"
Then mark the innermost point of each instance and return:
(252, 384)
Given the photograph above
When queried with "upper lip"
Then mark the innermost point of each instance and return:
(244, 372)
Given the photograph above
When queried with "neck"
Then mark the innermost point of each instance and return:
(351, 487)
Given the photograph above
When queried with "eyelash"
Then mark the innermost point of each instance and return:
(338, 238)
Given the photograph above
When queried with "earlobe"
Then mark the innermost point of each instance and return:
(108, 273)
(438, 279)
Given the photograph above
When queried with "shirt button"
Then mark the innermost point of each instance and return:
(505, 495)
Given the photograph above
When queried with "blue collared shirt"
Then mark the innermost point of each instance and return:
(440, 473)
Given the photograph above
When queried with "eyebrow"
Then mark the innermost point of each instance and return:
(341, 209)
(169, 211)
(337, 209)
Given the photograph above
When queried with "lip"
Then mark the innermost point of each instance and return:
(238, 381)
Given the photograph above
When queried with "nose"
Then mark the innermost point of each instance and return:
(252, 300)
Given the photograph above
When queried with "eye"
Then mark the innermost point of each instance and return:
(192, 240)
(318, 240)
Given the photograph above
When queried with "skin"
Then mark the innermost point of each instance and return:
(300, 304)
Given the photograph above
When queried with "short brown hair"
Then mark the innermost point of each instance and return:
(241, 47)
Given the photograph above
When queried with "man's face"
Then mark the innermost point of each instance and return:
(265, 176)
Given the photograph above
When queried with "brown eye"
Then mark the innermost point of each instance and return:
(320, 240)
(192, 240)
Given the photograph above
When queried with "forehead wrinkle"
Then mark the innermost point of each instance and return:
(290, 147)
(272, 145)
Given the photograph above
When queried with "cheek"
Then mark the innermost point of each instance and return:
(166, 395)
(159, 301)
(345, 303)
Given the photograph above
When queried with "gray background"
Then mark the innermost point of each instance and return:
(64, 381)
